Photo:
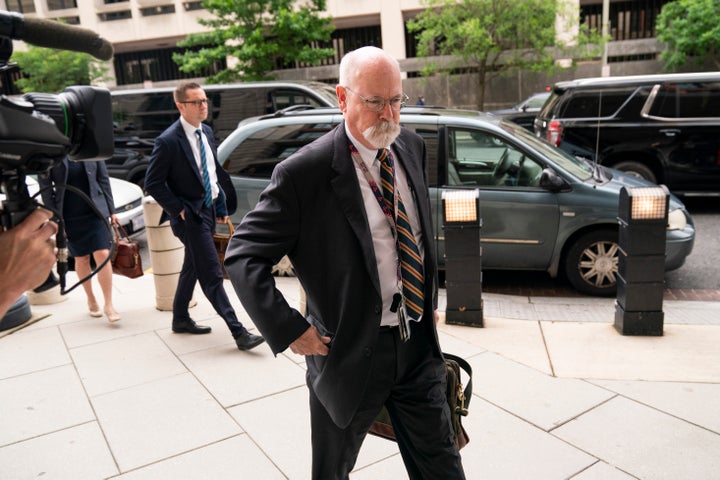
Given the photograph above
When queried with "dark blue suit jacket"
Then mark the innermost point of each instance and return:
(98, 180)
(175, 181)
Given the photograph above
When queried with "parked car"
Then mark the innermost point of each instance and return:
(140, 115)
(664, 128)
(542, 209)
(128, 199)
(128, 164)
(524, 112)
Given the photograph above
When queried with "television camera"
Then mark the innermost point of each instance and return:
(38, 130)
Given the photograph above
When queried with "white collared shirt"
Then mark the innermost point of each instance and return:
(386, 254)
(195, 146)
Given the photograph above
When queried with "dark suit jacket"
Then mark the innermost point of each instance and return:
(313, 211)
(98, 180)
(175, 181)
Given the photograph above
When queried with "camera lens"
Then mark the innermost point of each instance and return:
(84, 115)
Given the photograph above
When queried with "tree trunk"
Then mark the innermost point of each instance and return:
(482, 77)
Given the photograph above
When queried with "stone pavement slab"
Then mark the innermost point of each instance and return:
(558, 394)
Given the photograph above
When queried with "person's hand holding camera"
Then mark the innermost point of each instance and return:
(27, 254)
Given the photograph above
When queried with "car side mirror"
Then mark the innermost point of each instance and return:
(551, 181)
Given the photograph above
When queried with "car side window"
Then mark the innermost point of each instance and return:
(257, 156)
(280, 99)
(478, 158)
(687, 100)
(592, 104)
(430, 136)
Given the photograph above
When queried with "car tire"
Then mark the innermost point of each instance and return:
(636, 169)
(284, 268)
(591, 263)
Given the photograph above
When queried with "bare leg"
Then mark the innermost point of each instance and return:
(82, 268)
(105, 279)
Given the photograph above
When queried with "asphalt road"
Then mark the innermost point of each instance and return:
(700, 270)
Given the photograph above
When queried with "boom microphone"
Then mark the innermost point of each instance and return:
(52, 34)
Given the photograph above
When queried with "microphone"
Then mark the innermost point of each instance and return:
(52, 34)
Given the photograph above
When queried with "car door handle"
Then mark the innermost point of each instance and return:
(670, 132)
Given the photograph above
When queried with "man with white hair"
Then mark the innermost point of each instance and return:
(352, 212)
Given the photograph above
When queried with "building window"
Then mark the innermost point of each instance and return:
(158, 10)
(70, 20)
(61, 4)
(343, 40)
(190, 6)
(154, 65)
(110, 16)
(21, 6)
(629, 20)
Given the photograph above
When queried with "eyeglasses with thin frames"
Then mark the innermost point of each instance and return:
(377, 104)
(197, 103)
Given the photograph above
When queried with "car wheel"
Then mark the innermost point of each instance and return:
(591, 263)
(636, 169)
(284, 268)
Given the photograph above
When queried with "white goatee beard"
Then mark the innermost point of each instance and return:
(382, 135)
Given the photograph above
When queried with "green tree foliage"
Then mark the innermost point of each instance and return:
(49, 70)
(497, 36)
(257, 36)
(690, 31)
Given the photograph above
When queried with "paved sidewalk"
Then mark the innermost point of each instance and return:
(558, 394)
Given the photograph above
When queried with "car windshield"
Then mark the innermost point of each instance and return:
(578, 168)
(327, 92)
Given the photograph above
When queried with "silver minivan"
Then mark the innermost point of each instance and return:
(542, 209)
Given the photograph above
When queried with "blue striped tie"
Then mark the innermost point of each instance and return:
(411, 266)
(205, 173)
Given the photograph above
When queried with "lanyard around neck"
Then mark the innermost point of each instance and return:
(390, 216)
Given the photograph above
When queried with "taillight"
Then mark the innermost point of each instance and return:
(554, 132)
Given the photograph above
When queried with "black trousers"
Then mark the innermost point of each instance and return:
(201, 263)
(411, 383)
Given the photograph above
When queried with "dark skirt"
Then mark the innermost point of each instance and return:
(87, 235)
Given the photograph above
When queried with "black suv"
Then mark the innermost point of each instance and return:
(664, 128)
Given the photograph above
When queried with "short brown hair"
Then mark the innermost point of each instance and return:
(179, 95)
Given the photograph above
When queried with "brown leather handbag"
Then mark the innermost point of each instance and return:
(221, 240)
(126, 255)
(457, 397)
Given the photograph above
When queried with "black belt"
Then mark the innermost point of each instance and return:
(388, 328)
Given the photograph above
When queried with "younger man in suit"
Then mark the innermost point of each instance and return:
(194, 191)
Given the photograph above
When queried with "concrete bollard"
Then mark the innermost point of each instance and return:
(166, 255)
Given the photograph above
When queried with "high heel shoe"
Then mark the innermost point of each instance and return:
(94, 310)
(111, 314)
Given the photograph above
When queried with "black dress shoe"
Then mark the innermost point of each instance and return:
(248, 341)
(189, 326)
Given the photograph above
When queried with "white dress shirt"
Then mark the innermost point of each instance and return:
(195, 146)
(386, 254)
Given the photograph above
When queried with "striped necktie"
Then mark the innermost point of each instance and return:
(411, 266)
(205, 173)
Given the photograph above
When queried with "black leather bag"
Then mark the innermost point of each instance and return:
(457, 397)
